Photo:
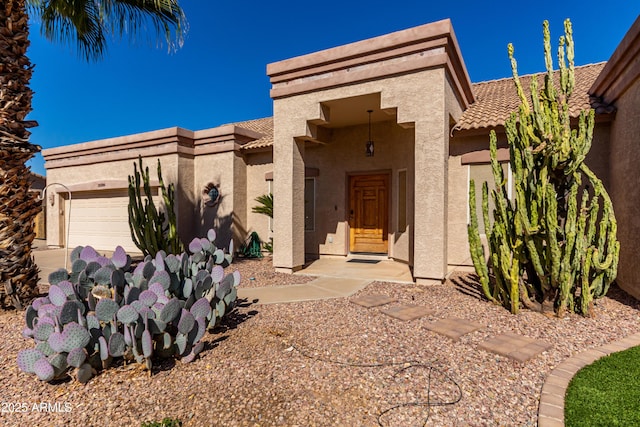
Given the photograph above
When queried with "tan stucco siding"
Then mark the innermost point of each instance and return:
(186, 199)
(624, 183)
(457, 244)
(598, 157)
(344, 154)
(226, 171)
(458, 193)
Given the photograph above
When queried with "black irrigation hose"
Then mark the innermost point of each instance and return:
(410, 364)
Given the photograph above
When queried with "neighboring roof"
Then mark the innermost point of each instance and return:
(497, 99)
(37, 181)
(263, 126)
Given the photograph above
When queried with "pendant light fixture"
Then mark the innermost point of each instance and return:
(369, 145)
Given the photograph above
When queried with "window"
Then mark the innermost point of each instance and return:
(270, 182)
(480, 173)
(402, 200)
(309, 204)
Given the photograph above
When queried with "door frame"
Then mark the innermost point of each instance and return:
(347, 202)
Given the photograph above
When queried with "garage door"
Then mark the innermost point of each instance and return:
(101, 219)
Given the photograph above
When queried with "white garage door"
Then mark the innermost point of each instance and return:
(101, 219)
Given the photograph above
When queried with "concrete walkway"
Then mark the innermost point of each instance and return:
(320, 288)
(48, 260)
(336, 277)
(360, 267)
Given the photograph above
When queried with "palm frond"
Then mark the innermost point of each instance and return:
(88, 23)
(266, 205)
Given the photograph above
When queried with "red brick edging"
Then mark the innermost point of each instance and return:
(551, 408)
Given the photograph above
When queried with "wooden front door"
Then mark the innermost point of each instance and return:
(369, 213)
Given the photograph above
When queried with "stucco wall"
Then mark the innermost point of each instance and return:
(455, 211)
(226, 171)
(345, 154)
(625, 185)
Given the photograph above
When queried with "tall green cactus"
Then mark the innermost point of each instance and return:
(555, 240)
(151, 231)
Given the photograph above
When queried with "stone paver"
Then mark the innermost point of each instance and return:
(454, 328)
(514, 346)
(373, 300)
(407, 312)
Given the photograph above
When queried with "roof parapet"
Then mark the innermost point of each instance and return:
(415, 49)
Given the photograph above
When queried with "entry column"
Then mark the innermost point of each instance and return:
(430, 209)
(288, 196)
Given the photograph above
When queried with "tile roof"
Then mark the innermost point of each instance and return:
(263, 126)
(496, 99)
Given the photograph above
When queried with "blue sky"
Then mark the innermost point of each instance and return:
(219, 75)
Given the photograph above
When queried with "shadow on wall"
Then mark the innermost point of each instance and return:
(208, 216)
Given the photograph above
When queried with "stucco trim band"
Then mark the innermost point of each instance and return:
(149, 144)
(308, 173)
(401, 52)
(104, 185)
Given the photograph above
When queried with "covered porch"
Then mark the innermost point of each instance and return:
(361, 137)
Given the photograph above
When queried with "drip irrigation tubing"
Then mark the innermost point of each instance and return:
(405, 365)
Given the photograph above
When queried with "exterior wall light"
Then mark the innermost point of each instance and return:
(212, 193)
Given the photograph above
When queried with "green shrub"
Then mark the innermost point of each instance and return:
(265, 207)
(166, 422)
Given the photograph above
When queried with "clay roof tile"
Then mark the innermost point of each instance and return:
(497, 99)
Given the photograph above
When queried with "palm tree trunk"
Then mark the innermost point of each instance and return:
(18, 207)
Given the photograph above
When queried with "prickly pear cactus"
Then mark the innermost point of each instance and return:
(555, 242)
(102, 309)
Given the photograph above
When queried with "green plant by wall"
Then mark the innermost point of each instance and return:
(166, 422)
(555, 242)
(103, 310)
(265, 207)
(151, 231)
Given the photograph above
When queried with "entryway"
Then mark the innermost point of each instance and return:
(369, 213)
(355, 267)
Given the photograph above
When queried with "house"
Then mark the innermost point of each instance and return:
(37, 183)
(370, 149)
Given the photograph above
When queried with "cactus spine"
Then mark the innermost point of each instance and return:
(150, 230)
(555, 241)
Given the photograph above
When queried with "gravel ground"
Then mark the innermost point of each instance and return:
(314, 364)
(257, 272)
